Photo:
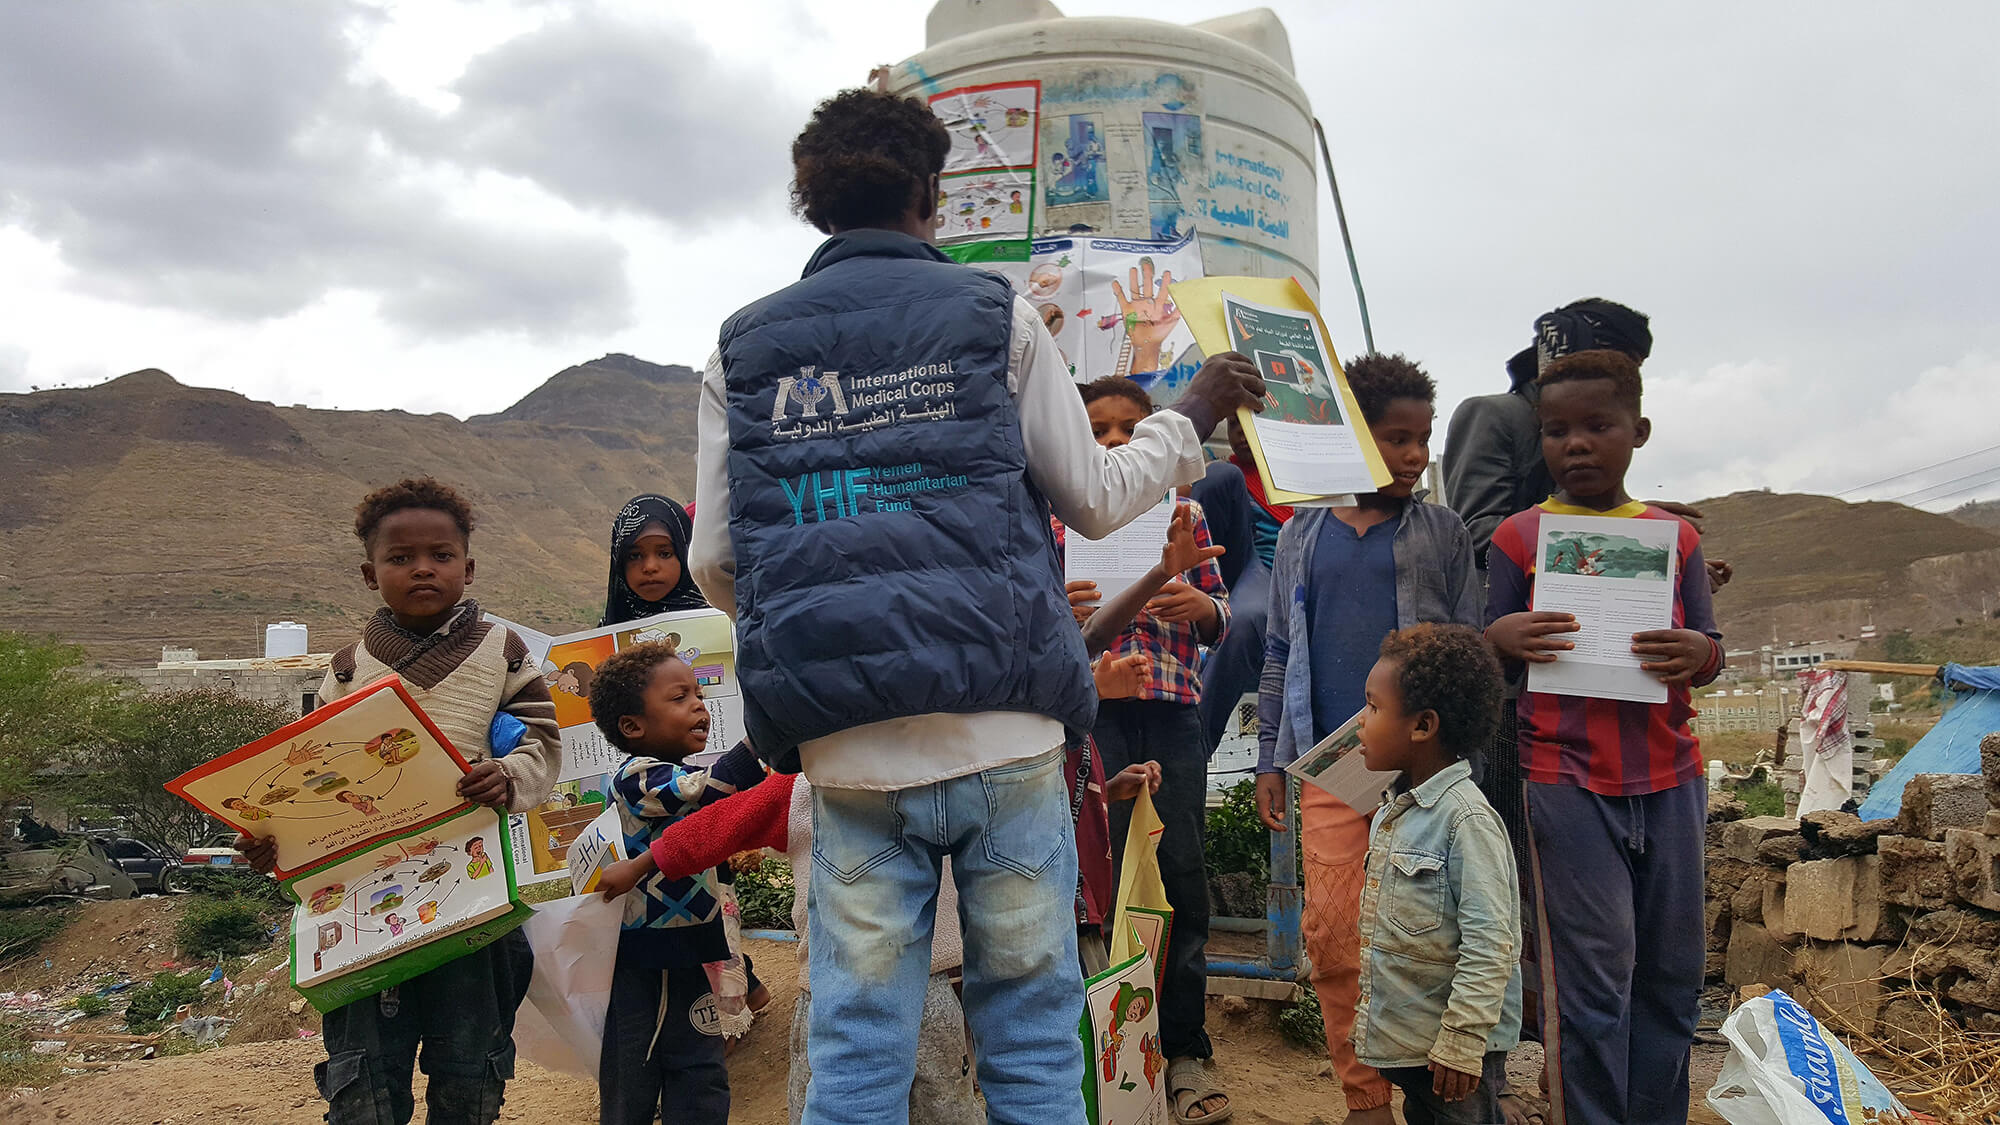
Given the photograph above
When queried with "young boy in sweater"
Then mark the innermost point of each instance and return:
(462, 670)
(663, 1034)
(1616, 799)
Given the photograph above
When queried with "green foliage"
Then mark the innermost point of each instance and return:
(1762, 798)
(1236, 840)
(154, 1003)
(19, 1065)
(93, 1003)
(23, 930)
(52, 710)
(212, 927)
(236, 881)
(170, 734)
(1893, 748)
(1301, 1022)
(764, 894)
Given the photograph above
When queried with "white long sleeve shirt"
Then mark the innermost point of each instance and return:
(1093, 490)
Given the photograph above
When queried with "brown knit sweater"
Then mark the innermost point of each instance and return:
(462, 675)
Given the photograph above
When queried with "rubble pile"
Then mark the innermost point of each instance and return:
(1848, 915)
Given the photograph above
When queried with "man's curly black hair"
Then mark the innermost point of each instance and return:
(1621, 370)
(1375, 379)
(866, 159)
(619, 687)
(1449, 669)
(413, 492)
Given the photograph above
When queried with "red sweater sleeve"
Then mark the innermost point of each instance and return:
(758, 817)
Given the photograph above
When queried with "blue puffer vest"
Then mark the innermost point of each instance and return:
(892, 557)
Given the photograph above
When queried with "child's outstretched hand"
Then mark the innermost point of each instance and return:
(622, 876)
(1132, 779)
(1452, 1085)
(1674, 655)
(486, 784)
(1083, 599)
(261, 852)
(1179, 602)
(1532, 636)
(1180, 555)
(1122, 678)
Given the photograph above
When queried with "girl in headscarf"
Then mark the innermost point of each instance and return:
(649, 575)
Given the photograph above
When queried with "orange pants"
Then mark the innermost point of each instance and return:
(1335, 839)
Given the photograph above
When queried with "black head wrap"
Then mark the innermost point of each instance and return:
(620, 603)
(1580, 327)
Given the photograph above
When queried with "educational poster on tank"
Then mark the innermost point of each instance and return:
(985, 205)
(703, 637)
(991, 126)
(363, 766)
(397, 898)
(1126, 1070)
(1105, 301)
(1123, 154)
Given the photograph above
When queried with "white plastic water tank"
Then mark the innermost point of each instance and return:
(1148, 128)
(286, 638)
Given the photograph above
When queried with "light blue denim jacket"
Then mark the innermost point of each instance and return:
(1436, 583)
(1440, 926)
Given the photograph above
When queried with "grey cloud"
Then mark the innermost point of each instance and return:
(218, 158)
(612, 114)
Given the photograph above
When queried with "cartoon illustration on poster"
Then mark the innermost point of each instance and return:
(702, 637)
(401, 894)
(1287, 350)
(542, 836)
(1176, 169)
(1131, 325)
(991, 126)
(1075, 162)
(1127, 1068)
(366, 765)
(983, 205)
(1055, 288)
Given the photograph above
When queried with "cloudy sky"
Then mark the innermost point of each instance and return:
(434, 205)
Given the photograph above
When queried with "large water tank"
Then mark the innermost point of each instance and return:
(286, 638)
(1148, 128)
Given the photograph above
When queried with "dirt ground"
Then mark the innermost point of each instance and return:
(247, 1082)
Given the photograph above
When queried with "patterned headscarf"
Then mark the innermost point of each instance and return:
(1578, 327)
(620, 603)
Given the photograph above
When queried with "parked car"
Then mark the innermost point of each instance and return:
(218, 850)
(150, 868)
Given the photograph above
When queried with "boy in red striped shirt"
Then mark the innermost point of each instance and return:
(1616, 798)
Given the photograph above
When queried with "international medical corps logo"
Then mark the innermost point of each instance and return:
(806, 391)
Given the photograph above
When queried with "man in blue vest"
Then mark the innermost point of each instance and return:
(882, 444)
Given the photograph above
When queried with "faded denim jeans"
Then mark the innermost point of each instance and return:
(877, 859)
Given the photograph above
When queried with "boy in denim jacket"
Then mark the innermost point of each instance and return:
(1440, 912)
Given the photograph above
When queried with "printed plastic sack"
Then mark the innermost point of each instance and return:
(561, 1026)
(1785, 1069)
(1124, 1081)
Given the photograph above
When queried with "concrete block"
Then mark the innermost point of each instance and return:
(1842, 983)
(1934, 802)
(1914, 872)
(1741, 837)
(1713, 967)
(1992, 822)
(1756, 957)
(1989, 764)
(1836, 900)
(1980, 986)
(1973, 858)
(1746, 900)
(1908, 1025)
(1832, 833)
(1952, 934)
(1772, 908)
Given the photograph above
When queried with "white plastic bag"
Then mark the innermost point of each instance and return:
(1785, 1069)
(561, 1026)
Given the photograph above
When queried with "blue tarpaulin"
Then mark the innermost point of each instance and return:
(1952, 746)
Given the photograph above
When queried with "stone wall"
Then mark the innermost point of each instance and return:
(284, 687)
(1842, 912)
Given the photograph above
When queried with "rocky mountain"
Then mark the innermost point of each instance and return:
(1979, 513)
(142, 513)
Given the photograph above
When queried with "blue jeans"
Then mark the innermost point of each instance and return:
(877, 859)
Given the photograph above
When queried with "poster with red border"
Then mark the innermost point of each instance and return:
(363, 768)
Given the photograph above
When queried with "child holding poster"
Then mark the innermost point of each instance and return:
(663, 1032)
(455, 663)
(1344, 579)
(1616, 799)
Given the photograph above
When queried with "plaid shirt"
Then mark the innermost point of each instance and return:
(1174, 646)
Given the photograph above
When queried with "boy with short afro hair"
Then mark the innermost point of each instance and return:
(1344, 579)
(663, 1050)
(1616, 797)
(462, 670)
(1440, 993)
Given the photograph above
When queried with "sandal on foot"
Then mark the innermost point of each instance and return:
(1188, 1086)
